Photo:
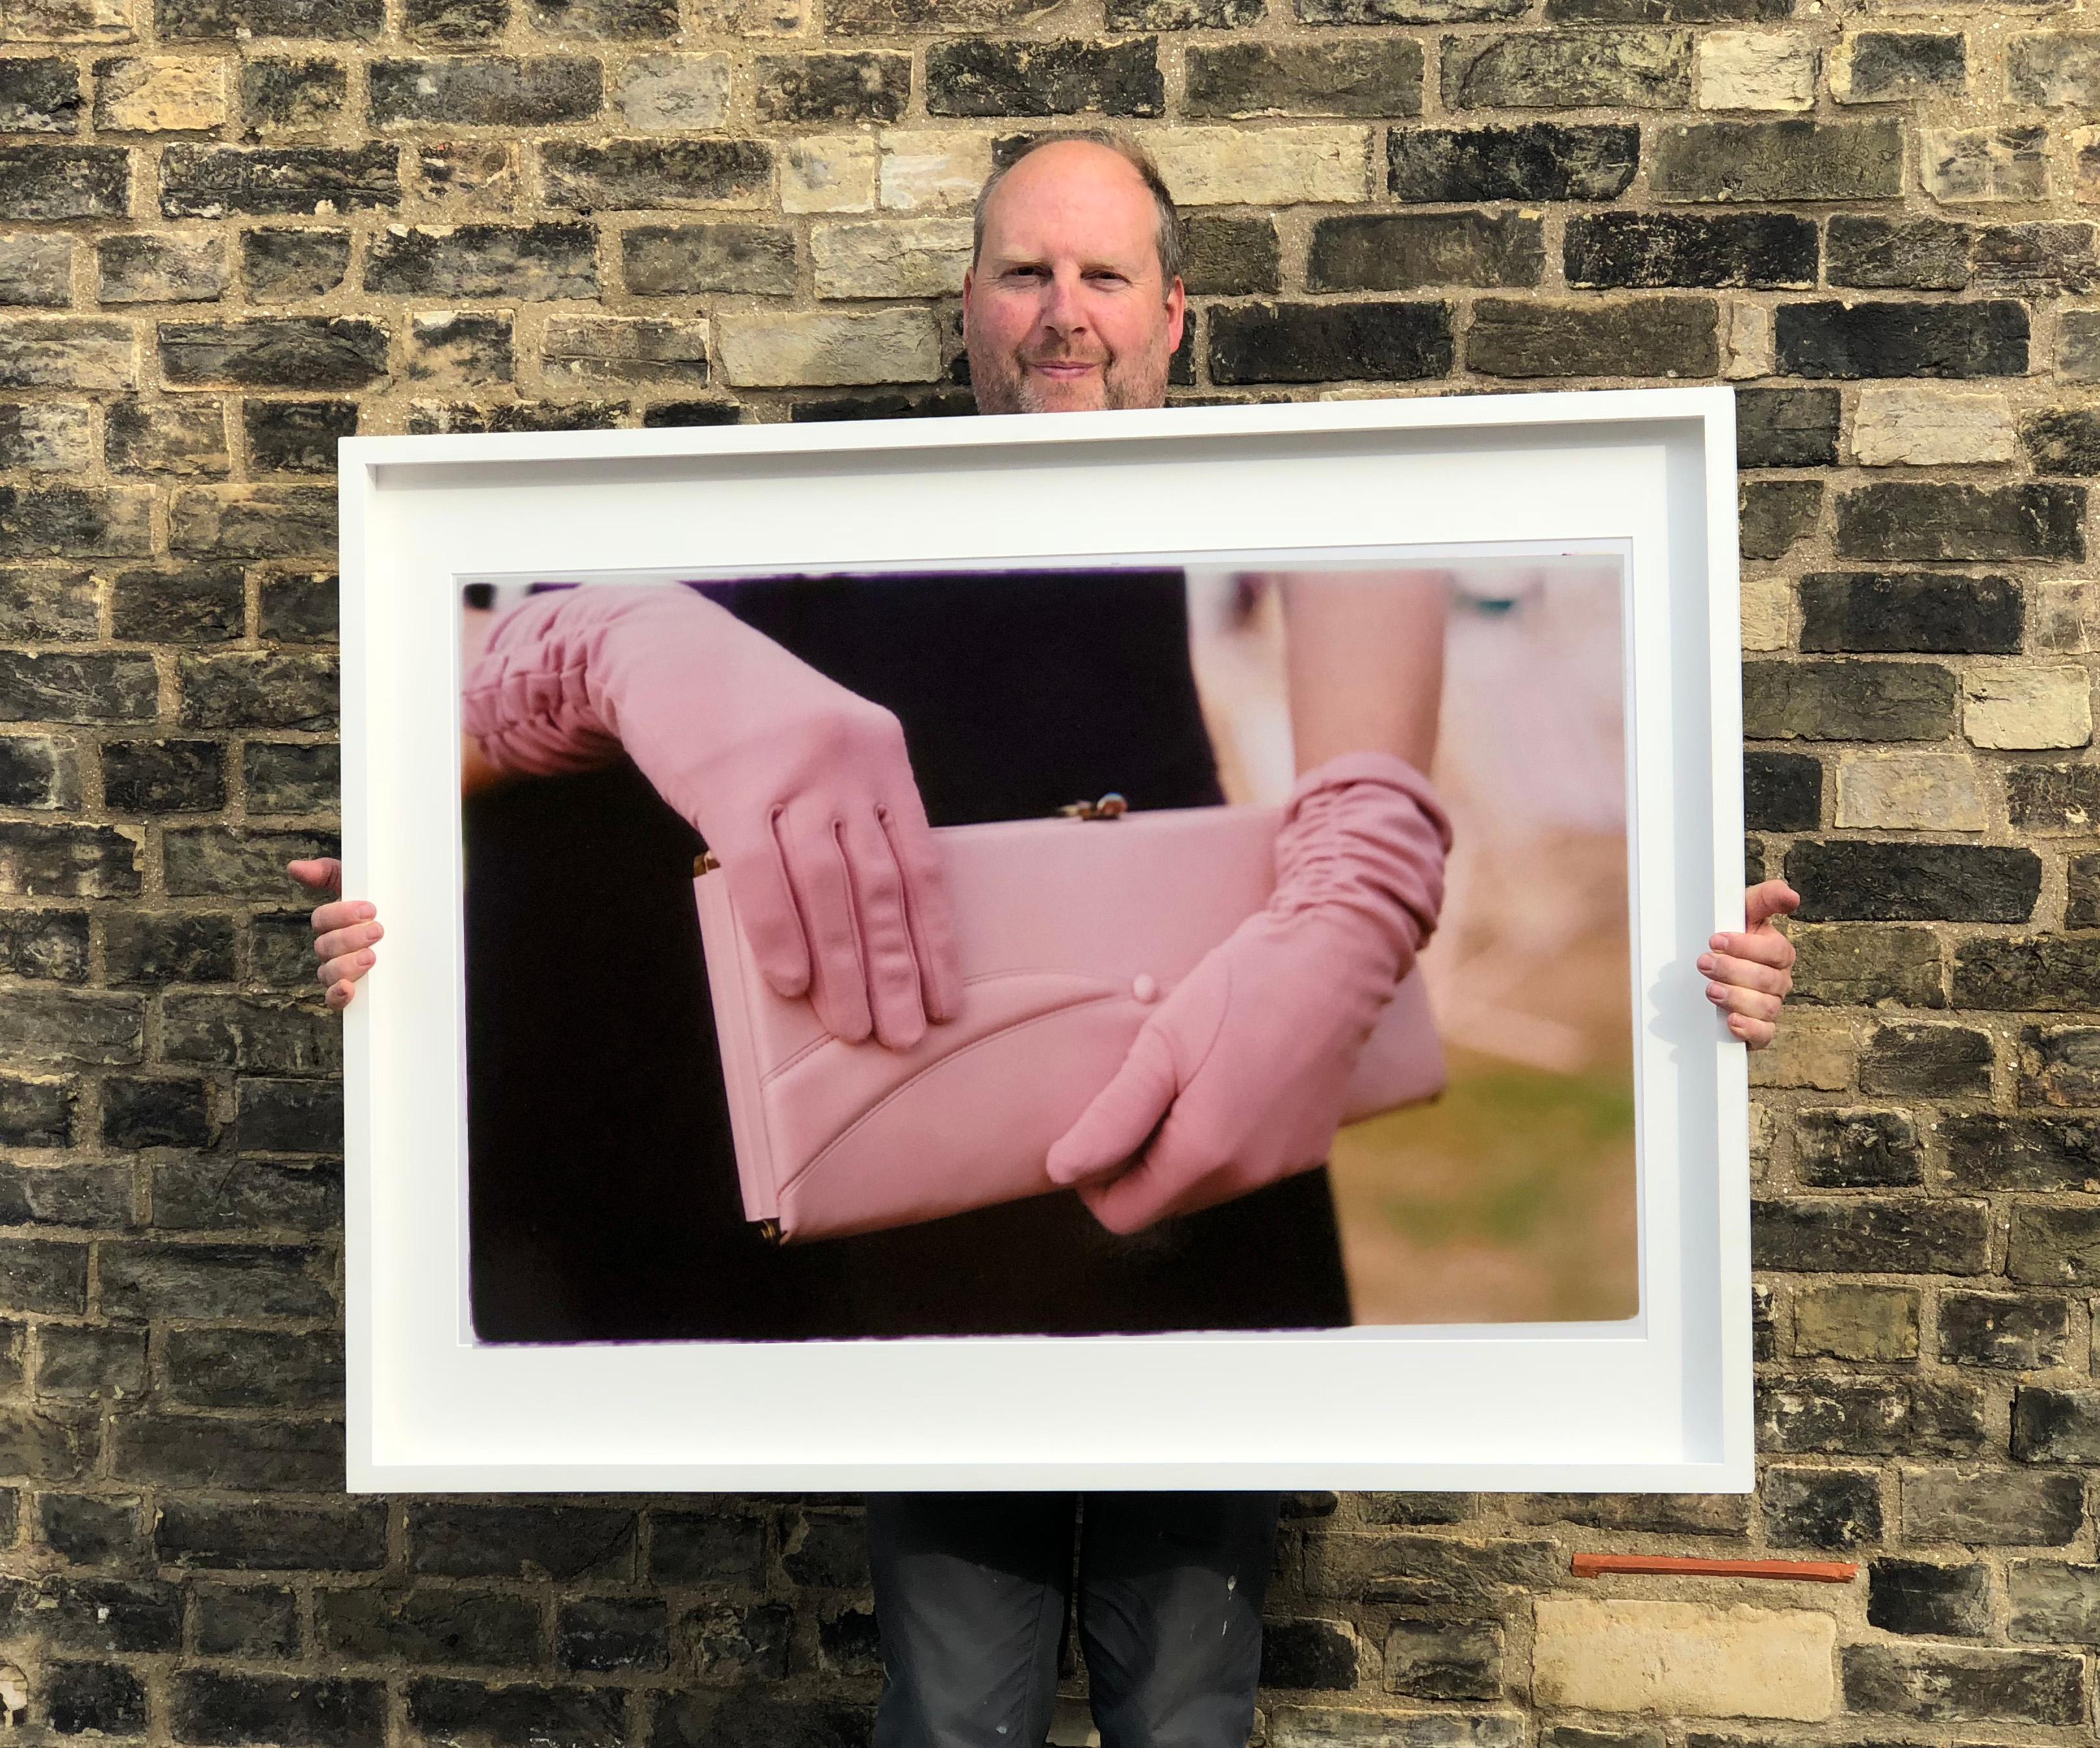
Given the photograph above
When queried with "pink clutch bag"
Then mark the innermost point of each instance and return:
(1070, 931)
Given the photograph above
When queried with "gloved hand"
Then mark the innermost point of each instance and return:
(802, 789)
(1243, 1069)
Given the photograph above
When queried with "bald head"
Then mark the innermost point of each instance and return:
(1067, 304)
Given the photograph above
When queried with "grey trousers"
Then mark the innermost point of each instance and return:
(971, 1590)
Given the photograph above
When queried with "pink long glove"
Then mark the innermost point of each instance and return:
(802, 789)
(1242, 1071)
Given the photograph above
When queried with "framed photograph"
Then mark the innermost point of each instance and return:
(625, 1212)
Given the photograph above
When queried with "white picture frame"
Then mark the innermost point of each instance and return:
(1660, 1402)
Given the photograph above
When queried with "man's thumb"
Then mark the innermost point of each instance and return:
(1124, 1115)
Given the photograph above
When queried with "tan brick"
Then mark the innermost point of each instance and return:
(1340, 1726)
(65, 353)
(827, 173)
(921, 171)
(66, 21)
(157, 94)
(674, 91)
(2082, 145)
(1985, 164)
(1910, 792)
(895, 257)
(1756, 69)
(1748, 338)
(1931, 427)
(1693, 1659)
(1768, 614)
(817, 350)
(2064, 617)
(1821, 1053)
(754, 18)
(1273, 167)
(2028, 707)
(587, 351)
(1874, 1324)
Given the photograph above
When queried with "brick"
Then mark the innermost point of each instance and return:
(45, 437)
(494, 90)
(144, 1281)
(100, 1699)
(601, 1634)
(1876, 1325)
(468, 176)
(1920, 611)
(39, 95)
(138, 1112)
(1857, 1149)
(2028, 707)
(1875, 700)
(1974, 523)
(77, 1025)
(1927, 1596)
(650, 174)
(2036, 260)
(287, 266)
(1782, 791)
(296, 437)
(67, 353)
(1821, 1507)
(1228, 166)
(981, 76)
(455, 1714)
(1786, 428)
(1230, 257)
(1372, 78)
(1633, 69)
(246, 1620)
(1269, 342)
(462, 347)
(916, 171)
(158, 94)
(164, 776)
(456, 24)
(1408, 251)
(801, 89)
(2054, 69)
(673, 92)
(1985, 163)
(1183, 14)
(1431, 1572)
(584, 352)
(1891, 339)
(36, 1275)
(89, 1530)
(217, 1451)
(2053, 1246)
(212, 182)
(291, 777)
(253, 1368)
(848, 1644)
(426, 1625)
(895, 257)
(48, 943)
(66, 1195)
(208, 1195)
(67, 861)
(258, 688)
(2007, 1332)
(1625, 1655)
(613, 20)
(36, 272)
(1870, 1416)
(562, 1542)
(1766, 612)
(1664, 336)
(1618, 250)
(1928, 1061)
(1985, 1151)
(727, 257)
(2059, 1065)
(290, 96)
(1425, 1659)
(43, 183)
(822, 349)
(1924, 428)
(1808, 1053)
(35, 1112)
(69, 21)
(223, 1707)
(71, 521)
(194, 604)
(1909, 254)
(2044, 974)
(299, 608)
(45, 605)
(731, 1643)
(1755, 69)
(289, 352)
(252, 522)
(263, 1536)
(753, 1716)
(1881, 1235)
(426, 417)
(37, 771)
(1867, 880)
(707, 1547)
(1915, 792)
(2063, 440)
(1773, 514)
(186, 438)
(1642, 1513)
(834, 173)
(1890, 66)
(1538, 160)
(1778, 160)
(1947, 1684)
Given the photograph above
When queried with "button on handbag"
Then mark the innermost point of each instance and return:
(1070, 931)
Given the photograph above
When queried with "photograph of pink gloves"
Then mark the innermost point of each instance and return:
(803, 791)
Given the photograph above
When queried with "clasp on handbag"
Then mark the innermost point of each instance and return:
(704, 863)
(1111, 806)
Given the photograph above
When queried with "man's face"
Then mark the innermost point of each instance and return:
(1063, 310)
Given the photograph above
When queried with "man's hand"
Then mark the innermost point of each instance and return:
(343, 932)
(1750, 975)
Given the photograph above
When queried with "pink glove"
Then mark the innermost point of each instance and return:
(802, 789)
(1248, 1060)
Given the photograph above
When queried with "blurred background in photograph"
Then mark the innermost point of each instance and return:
(1512, 1197)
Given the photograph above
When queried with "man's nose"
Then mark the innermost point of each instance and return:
(1063, 308)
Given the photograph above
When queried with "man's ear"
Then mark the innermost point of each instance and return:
(969, 282)
(1177, 312)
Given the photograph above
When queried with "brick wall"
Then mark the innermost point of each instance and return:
(232, 231)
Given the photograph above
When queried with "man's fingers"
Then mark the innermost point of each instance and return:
(1124, 1115)
(339, 941)
(340, 996)
(1751, 1004)
(1768, 947)
(322, 873)
(1768, 899)
(1756, 1033)
(1747, 974)
(346, 967)
(889, 964)
(342, 913)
